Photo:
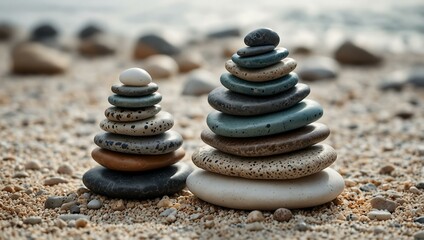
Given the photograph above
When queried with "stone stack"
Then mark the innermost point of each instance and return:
(264, 148)
(138, 151)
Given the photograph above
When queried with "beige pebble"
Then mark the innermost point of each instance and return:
(282, 215)
(59, 223)
(118, 205)
(54, 180)
(349, 183)
(383, 204)
(65, 169)
(32, 165)
(209, 224)
(161, 66)
(171, 218)
(20, 175)
(255, 216)
(414, 190)
(164, 202)
(379, 215)
(32, 220)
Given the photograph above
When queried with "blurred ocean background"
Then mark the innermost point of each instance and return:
(392, 25)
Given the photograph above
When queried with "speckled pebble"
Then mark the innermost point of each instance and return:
(301, 114)
(135, 77)
(275, 71)
(160, 123)
(292, 165)
(383, 204)
(269, 145)
(272, 87)
(282, 215)
(131, 115)
(379, 215)
(135, 102)
(233, 103)
(261, 36)
(160, 144)
(261, 61)
(131, 91)
(94, 204)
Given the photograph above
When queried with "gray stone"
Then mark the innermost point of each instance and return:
(254, 51)
(351, 53)
(262, 36)
(233, 103)
(32, 220)
(198, 83)
(317, 68)
(419, 220)
(135, 102)
(152, 44)
(261, 61)
(89, 31)
(135, 91)
(225, 33)
(383, 204)
(70, 217)
(94, 204)
(43, 32)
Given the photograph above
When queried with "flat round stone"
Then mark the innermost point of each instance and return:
(135, 102)
(301, 114)
(238, 104)
(261, 61)
(137, 185)
(269, 145)
(291, 165)
(134, 162)
(135, 77)
(160, 123)
(130, 115)
(250, 194)
(131, 91)
(253, 51)
(155, 145)
(262, 36)
(272, 87)
(275, 71)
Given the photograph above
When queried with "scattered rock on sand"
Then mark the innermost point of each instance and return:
(81, 223)
(387, 169)
(369, 187)
(34, 58)
(32, 220)
(54, 201)
(54, 180)
(89, 31)
(94, 204)
(70, 217)
(97, 46)
(399, 79)
(419, 220)
(254, 226)
(189, 61)
(6, 32)
(32, 165)
(118, 205)
(199, 82)
(65, 169)
(153, 44)
(379, 215)
(20, 175)
(164, 202)
(317, 68)
(161, 66)
(255, 216)
(420, 185)
(44, 32)
(383, 204)
(302, 226)
(351, 53)
(282, 215)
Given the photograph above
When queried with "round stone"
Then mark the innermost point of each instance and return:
(250, 194)
(134, 162)
(253, 51)
(301, 114)
(262, 36)
(135, 77)
(131, 91)
(135, 102)
(272, 87)
(291, 165)
(155, 145)
(261, 61)
(137, 185)
(130, 115)
(269, 145)
(160, 123)
(275, 71)
(238, 104)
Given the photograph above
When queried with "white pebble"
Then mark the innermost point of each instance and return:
(94, 204)
(379, 215)
(135, 77)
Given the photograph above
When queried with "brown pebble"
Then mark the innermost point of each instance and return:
(54, 180)
(255, 216)
(59, 223)
(381, 203)
(65, 169)
(82, 190)
(118, 205)
(32, 165)
(209, 224)
(8, 189)
(164, 202)
(20, 175)
(387, 169)
(282, 215)
(81, 223)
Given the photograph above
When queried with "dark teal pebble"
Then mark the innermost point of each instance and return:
(135, 102)
(234, 103)
(262, 36)
(131, 91)
(268, 88)
(261, 61)
(253, 51)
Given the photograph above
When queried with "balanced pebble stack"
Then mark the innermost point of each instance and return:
(138, 152)
(264, 147)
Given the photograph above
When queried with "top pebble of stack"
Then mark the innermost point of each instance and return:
(135, 77)
(262, 36)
